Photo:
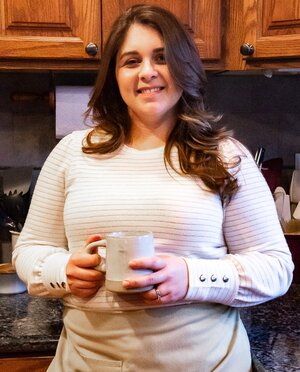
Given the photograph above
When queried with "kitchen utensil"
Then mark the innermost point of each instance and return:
(10, 283)
(259, 156)
(16, 180)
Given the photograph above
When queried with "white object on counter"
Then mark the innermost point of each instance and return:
(71, 104)
(295, 186)
(296, 213)
(283, 205)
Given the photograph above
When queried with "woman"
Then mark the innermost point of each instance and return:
(154, 161)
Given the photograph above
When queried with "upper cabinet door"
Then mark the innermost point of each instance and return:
(50, 29)
(272, 27)
(201, 17)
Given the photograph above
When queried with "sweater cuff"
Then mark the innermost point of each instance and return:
(54, 275)
(212, 280)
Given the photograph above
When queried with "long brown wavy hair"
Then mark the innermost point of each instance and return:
(194, 134)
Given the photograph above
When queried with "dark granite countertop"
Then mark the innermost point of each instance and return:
(274, 331)
(30, 325)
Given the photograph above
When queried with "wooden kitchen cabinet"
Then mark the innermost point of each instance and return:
(30, 364)
(268, 30)
(54, 34)
(51, 34)
(202, 18)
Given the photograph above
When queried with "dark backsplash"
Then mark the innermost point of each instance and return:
(262, 112)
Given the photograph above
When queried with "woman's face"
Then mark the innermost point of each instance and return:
(144, 80)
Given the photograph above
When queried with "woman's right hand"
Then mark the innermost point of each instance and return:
(83, 280)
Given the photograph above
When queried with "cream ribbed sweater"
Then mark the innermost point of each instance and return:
(77, 195)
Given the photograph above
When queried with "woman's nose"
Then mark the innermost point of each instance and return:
(147, 71)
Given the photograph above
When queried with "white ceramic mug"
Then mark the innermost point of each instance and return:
(119, 248)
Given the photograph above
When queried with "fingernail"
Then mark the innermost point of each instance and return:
(126, 283)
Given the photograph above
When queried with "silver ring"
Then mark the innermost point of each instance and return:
(158, 294)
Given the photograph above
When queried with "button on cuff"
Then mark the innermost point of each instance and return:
(202, 278)
(225, 279)
(214, 280)
(54, 273)
(58, 285)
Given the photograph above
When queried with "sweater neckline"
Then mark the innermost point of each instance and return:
(132, 150)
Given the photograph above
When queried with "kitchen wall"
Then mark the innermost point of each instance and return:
(27, 132)
(262, 112)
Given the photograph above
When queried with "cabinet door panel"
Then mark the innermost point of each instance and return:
(201, 17)
(29, 17)
(273, 27)
(48, 28)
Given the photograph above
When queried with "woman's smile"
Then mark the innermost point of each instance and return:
(148, 91)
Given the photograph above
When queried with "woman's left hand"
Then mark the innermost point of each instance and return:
(169, 277)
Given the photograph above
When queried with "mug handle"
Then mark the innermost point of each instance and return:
(89, 249)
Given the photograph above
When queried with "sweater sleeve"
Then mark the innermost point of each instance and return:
(258, 264)
(41, 252)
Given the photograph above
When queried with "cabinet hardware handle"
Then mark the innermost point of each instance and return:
(247, 49)
(91, 49)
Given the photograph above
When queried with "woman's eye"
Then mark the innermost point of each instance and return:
(131, 62)
(160, 58)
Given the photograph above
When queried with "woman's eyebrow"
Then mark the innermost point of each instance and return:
(129, 53)
(157, 50)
